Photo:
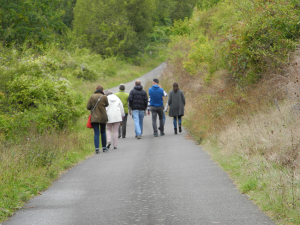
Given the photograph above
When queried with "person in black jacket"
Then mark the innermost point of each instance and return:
(138, 102)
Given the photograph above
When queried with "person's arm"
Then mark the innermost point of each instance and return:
(130, 100)
(183, 98)
(105, 102)
(165, 93)
(166, 107)
(170, 99)
(121, 109)
(145, 100)
(89, 104)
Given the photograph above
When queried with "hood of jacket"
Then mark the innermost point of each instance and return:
(155, 87)
(138, 87)
(112, 98)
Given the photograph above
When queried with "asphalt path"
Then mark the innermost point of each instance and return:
(166, 180)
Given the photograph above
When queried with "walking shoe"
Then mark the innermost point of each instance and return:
(180, 130)
(138, 137)
(108, 146)
(97, 151)
(105, 149)
(175, 130)
(155, 135)
(115, 147)
(162, 134)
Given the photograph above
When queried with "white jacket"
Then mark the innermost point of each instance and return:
(115, 110)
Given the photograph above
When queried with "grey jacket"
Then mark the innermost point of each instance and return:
(176, 102)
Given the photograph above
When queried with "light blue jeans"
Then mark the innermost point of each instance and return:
(138, 116)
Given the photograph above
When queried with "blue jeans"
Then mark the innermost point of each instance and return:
(164, 118)
(97, 132)
(175, 121)
(138, 116)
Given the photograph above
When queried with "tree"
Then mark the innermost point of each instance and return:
(33, 20)
(103, 26)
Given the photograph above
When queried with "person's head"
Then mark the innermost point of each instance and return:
(108, 92)
(155, 81)
(99, 88)
(138, 83)
(175, 87)
(122, 87)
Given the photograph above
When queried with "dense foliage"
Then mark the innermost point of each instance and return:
(30, 20)
(245, 37)
(119, 27)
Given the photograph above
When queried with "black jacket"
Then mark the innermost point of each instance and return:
(138, 99)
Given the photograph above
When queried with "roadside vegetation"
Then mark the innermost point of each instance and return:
(238, 64)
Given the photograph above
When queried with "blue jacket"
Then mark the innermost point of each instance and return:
(156, 96)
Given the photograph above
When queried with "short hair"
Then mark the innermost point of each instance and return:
(108, 92)
(138, 82)
(99, 87)
(122, 87)
(156, 80)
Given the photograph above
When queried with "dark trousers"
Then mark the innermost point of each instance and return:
(160, 112)
(122, 129)
(97, 132)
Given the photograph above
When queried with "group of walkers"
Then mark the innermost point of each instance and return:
(109, 112)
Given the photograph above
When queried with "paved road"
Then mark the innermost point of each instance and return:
(165, 180)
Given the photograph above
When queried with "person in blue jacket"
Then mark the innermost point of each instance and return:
(156, 95)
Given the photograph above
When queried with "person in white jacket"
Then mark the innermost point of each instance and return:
(115, 113)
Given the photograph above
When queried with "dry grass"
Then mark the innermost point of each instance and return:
(259, 125)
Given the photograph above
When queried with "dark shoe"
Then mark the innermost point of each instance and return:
(162, 134)
(175, 130)
(105, 149)
(119, 136)
(108, 146)
(138, 137)
(115, 147)
(180, 130)
(97, 151)
(155, 135)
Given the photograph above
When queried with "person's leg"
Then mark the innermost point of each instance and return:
(103, 135)
(141, 119)
(179, 123)
(119, 131)
(154, 117)
(135, 114)
(124, 124)
(161, 119)
(115, 127)
(96, 136)
(108, 134)
(175, 124)
(164, 117)
(175, 121)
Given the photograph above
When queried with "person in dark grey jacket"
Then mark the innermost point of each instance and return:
(138, 102)
(176, 102)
